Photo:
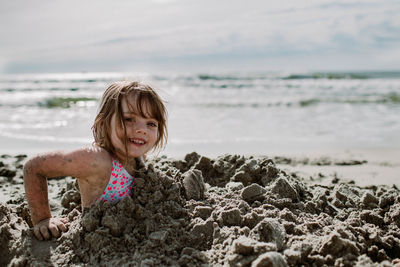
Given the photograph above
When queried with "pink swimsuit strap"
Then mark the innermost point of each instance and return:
(120, 184)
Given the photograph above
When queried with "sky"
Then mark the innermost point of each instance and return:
(207, 35)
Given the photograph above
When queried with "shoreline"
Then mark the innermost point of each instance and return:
(364, 167)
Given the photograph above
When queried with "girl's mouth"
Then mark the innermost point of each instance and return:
(137, 141)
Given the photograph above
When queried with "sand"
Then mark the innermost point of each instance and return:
(227, 211)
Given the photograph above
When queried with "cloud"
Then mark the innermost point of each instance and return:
(152, 31)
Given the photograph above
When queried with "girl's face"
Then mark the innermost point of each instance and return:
(141, 132)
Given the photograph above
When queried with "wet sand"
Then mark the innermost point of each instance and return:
(225, 211)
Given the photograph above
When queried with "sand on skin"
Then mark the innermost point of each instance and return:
(231, 210)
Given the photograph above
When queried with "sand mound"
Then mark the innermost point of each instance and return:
(233, 211)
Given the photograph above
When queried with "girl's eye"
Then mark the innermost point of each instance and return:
(128, 119)
(152, 124)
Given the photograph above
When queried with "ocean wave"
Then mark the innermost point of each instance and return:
(301, 76)
(224, 85)
(32, 89)
(330, 76)
(233, 77)
(345, 75)
(67, 102)
(55, 81)
(391, 99)
(83, 77)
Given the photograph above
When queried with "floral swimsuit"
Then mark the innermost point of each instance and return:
(120, 184)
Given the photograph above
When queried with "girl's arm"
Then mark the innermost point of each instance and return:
(82, 164)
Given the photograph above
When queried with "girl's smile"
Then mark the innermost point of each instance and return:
(137, 141)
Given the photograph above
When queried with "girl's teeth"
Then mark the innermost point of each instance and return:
(137, 141)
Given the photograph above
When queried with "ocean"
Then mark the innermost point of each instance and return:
(212, 114)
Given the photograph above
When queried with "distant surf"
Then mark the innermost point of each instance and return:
(229, 112)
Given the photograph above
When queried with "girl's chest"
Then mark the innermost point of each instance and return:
(119, 185)
(115, 184)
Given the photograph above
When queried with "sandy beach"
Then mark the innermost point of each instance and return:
(273, 126)
(225, 211)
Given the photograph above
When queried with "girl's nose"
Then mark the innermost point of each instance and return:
(140, 128)
(141, 131)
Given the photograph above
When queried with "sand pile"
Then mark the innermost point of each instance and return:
(232, 211)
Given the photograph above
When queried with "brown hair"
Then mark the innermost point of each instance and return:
(111, 104)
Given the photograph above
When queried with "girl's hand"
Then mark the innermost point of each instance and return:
(47, 228)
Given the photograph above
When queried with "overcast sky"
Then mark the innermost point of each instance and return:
(188, 35)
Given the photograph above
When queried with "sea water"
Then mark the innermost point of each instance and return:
(213, 114)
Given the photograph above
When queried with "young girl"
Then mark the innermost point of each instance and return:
(131, 122)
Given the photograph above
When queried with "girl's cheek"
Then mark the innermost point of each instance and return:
(120, 133)
(155, 132)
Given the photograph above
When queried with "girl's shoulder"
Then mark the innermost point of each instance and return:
(96, 152)
(96, 157)
(92, 161)
(79, 163)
